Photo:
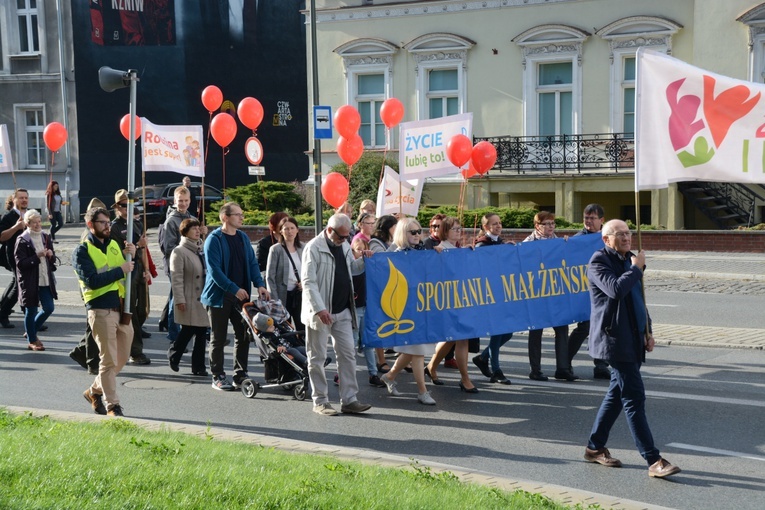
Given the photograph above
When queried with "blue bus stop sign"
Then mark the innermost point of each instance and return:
(322, 122)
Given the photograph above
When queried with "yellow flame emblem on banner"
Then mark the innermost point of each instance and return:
(393, 302)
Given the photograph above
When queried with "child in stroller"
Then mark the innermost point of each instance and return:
(280, 346)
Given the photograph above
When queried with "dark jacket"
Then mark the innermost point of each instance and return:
(262, 248)
(485, 240)
(28, 270)
(613, 324)
(86, 271)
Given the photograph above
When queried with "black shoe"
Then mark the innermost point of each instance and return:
(468, 390)
(565, 375)
(173, 366)
(601, 373)
(162, 326)
(434, 380)
(238, 379)
(202, 373)
(499, 377)
(79, 356)
(537, 376)
(483, 365)
(4, 322)
(115, 411)
(375, 381)
(140, 359)
(327, 361)
(145, 334)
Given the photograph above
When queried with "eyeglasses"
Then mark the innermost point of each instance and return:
(548, 223)
(102, 222)
(435, 225)
(367, 222)
(621, 235)
(415, 232)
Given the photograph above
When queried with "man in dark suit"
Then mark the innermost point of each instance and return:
(620, 333)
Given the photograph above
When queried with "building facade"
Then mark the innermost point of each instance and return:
(550, 82)
(34, 92)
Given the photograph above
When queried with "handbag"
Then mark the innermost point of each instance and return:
(294, 296)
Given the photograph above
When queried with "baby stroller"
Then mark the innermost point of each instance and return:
(267, 325)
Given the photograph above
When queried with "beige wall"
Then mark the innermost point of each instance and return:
(710, 38)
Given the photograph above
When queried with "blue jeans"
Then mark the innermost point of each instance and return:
(492, 351)
(34, 319)
(56, 222)
(358, 338)
(627, 392)
(172, 328)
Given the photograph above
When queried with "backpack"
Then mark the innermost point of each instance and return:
(161, 238)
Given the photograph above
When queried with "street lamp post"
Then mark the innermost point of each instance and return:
(318, 220)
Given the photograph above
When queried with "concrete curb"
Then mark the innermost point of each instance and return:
(561, 494)
(661, 273)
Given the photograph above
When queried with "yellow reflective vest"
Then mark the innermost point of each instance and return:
(104, 262)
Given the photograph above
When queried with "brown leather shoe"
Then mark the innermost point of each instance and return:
(662, 468)
(96, 401)
(601, 456)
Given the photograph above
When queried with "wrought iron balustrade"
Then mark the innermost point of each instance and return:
(608, 152)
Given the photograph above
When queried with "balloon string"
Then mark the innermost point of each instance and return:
(385, 155)
(225, 151)
(350, 169)
(207, 144)
(475, 227)
(52, 160)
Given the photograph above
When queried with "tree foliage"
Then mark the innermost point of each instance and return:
(365, 177)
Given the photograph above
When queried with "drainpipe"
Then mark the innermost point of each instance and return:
(64, 107)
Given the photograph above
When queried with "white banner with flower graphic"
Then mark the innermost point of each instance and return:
(6, 160)
(694, 125)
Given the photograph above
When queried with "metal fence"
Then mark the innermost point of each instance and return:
(606, 152)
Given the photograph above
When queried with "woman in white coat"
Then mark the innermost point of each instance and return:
(187, 269)
(283, 269)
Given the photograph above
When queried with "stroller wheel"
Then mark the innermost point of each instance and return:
(300, 391)
(250, 388)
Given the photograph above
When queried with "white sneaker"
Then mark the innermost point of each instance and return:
(426, 399)
(324, 409)
(391, 385)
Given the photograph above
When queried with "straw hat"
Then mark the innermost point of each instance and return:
(94, 203)
(120, 196)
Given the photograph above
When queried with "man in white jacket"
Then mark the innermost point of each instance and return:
(328, 309)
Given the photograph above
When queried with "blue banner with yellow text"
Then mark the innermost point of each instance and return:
(417, 297)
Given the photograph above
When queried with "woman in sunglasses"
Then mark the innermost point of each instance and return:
(544, 228)
(406, 237)
(450, 233)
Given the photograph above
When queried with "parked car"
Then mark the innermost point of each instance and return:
(160, 196)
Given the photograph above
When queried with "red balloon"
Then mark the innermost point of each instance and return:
(334, 189)
(125, 127)
(250, 112)
(212, 98)
(54, 135)
(484, 156)
(350, 149)
(469, 172)
(223, 129)
(347, 121)
(391, 112)
(459, 149)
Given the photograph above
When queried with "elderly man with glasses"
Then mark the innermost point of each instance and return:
(329, 310)
(620, 333)
(231, 270)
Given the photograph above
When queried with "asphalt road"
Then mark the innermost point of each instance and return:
(699, 399)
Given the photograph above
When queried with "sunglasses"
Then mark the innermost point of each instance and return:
(342, 238)
(435, 225)
(121, 206)
(415, 232)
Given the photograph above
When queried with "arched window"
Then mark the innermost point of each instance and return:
(440, 64)
(368, 72)
(624, 37)
(552, 84)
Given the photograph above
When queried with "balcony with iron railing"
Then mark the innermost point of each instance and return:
(597, 153)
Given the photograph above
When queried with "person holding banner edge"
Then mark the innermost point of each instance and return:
(544, 228)
(593, 223)
(620, 333)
